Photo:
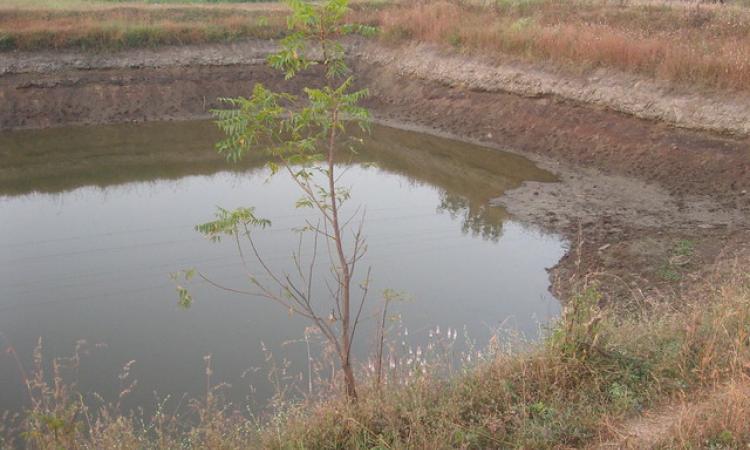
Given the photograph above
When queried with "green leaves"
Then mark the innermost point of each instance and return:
(321, 24)
(291, 58)
(345, 103)
(185, 300)
(362, 30)
(303, 202)
(334, 61)
(317, 19)
(229, 223)
(267, 122)
(303, 15)
(274, 122)
(251, 122)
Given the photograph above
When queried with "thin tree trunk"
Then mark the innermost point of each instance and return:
(351, 389)
(349, 380)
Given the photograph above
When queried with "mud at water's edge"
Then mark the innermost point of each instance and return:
(621, 228)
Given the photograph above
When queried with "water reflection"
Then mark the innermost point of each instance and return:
(93, 219)
(478, 219)
(61, 160)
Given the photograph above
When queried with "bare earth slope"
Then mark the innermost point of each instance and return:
(629, 94)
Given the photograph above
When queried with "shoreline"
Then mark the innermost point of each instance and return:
(628, 185)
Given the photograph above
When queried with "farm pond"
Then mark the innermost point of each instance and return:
(93, 220)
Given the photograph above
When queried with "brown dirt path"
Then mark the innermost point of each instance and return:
(683, 418)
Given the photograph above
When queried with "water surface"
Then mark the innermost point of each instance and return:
(93, 220)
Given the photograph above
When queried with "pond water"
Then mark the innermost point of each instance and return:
(94, 219)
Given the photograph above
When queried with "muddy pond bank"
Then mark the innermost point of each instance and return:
(631, 190)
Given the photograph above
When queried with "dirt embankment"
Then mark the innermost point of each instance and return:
(47, 89)
(630, 94)
(708, 110)
(46, 62)
(631, 188)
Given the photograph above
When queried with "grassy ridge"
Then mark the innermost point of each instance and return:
(132, 27)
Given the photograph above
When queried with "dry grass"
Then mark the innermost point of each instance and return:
(722, 421)
(107, 27)
(103, 4)
(598, 367)
(705, 45)
(104, 25)
(595, 370)
(693, 45)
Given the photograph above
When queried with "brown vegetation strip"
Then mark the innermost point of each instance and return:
(698, 45)
(134, 27)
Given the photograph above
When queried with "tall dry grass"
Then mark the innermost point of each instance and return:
(721, 421)
(115, 28)
(598, 367)
(692, 45)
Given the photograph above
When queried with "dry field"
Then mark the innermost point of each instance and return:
(105, 26)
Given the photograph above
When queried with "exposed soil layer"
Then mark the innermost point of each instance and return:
(75, 97)
(684, 161)
(40, 62)
(633, 192)
(692, 107)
